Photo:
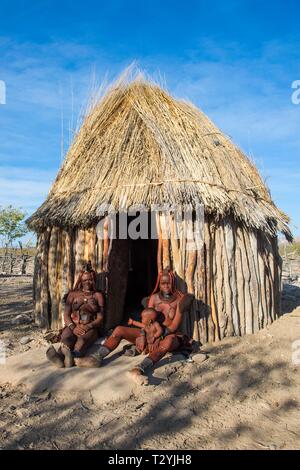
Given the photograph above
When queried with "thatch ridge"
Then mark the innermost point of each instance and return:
(140, 145)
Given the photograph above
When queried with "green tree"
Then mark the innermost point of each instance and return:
(12, 225)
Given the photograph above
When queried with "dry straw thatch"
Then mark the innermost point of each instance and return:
(139, 145)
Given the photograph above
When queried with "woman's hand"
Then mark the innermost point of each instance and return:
(141, 343)
(153, 346)
(87, 327)
(130, 321)
(150, 334)
(80, 330)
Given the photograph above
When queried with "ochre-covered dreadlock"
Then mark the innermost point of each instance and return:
(87, 268)
(167, 272)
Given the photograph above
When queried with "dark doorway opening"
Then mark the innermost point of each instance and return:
(142, 275)
(132, 274)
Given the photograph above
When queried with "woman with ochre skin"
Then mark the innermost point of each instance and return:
(170, 303)
(83, 316)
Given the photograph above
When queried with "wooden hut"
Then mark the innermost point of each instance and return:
(138, 145)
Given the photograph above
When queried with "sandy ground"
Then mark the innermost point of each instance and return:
(244, 396)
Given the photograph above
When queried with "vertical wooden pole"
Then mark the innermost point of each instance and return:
(251, 286)
(208, 269)
(37, 279)
(79, 252)
(44, 321)
(92, 247)
(106, 244)
(220, 315)
(240, 281)
(60, 276)
(229, 241)
(159, 246)
(247, 277)
(52, 276)
(69, 260)
(200, 294)
(255, 278)
(165, 241)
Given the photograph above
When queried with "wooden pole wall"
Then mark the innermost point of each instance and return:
(235, 277)
(59, 258)
(234, 273)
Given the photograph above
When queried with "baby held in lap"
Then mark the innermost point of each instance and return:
(149, 323)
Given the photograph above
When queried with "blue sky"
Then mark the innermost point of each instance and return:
(234, 59)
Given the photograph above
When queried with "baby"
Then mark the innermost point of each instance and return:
(149, 323)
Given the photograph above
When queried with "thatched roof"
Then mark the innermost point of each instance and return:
(138, 145)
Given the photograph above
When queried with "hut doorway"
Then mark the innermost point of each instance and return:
(142, 274)
(132, 273)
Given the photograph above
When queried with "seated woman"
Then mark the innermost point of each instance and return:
(83, 317)
(171, 304)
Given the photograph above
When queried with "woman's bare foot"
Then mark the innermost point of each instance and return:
(137, 376)
(55, 357)
(88, 361)
(68, 356)
(131, 351)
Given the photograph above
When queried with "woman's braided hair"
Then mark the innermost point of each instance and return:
(167, 272)
(87, 268)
